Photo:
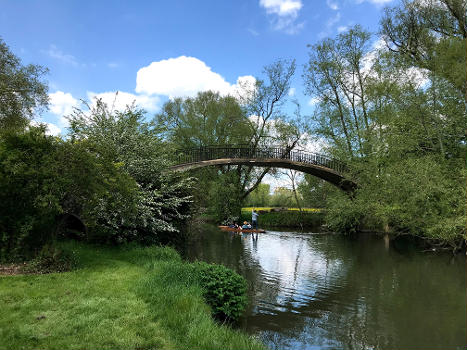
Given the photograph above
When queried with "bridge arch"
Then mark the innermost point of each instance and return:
(323, 167)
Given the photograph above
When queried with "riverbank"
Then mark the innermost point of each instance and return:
(286, 217)
(117, 299)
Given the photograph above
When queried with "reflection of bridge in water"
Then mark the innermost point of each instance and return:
(326, 168)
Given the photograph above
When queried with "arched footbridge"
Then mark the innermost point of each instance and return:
(326, 168)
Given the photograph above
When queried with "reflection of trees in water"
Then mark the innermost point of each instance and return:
(359, 296)
(236, 251)
(384, 299)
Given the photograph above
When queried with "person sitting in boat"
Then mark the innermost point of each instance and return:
(246, 226)
(234, 225)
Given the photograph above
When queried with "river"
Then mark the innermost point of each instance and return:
(329, 291)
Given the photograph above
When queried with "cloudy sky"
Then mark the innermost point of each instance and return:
(151, 51)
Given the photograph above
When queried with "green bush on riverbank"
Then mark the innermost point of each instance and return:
(119, 298)
(286, 218)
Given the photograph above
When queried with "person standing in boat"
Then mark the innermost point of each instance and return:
(254, 219)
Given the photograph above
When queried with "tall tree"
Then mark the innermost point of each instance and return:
(22, 90)
(408, 152)
(207, 119)
(270, 124)
(255, 118)
(336, 75)
(430, 34)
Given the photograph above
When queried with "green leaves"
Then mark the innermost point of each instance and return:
(22, 90)
(399, 116)
(223, 289)
(141, 201)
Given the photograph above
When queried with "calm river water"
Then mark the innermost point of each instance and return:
(316, 291)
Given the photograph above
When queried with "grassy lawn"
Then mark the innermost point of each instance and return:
(138, 298)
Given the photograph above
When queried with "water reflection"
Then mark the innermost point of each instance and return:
(328, 291)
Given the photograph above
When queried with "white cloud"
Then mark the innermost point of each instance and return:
(292, 92)
(185, 77)
(113, 65)
(57, 54)
(341, 29)
(62, 104)
(285, 14)
(120, 100)
(332, 5)
(418, 76)
(52, 129)
(375, 2)
(282, 7)
(313, 101)
(243, 89)
(181, 76)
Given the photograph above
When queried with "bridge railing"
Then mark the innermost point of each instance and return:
(194, 155)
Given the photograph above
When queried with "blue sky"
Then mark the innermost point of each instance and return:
(153, 50)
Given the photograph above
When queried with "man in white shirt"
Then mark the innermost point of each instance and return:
(254, 219)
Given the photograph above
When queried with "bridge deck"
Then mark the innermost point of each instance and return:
(324, 167)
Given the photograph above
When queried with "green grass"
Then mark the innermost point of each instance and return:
(135, 298)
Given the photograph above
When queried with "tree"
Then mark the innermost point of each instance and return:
(269, 123)
(315, 191)
(207, 119)
(254, 118)
(260, 197)
(430, 35)
(282, 197)
(22, 90)
(337, 76)
(147, 207)
(42, 177)
(402, 131)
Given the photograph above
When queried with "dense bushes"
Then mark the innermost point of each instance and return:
(110, 173)
(287, 219)
(152, 202)
(33, 183)
(223, 289)
(53, 258)
(423, 196)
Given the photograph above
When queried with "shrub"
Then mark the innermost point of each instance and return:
(224, 290)
(53, 259)
(29, 192)
(287, 219)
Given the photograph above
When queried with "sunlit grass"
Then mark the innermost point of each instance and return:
(119, 299)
